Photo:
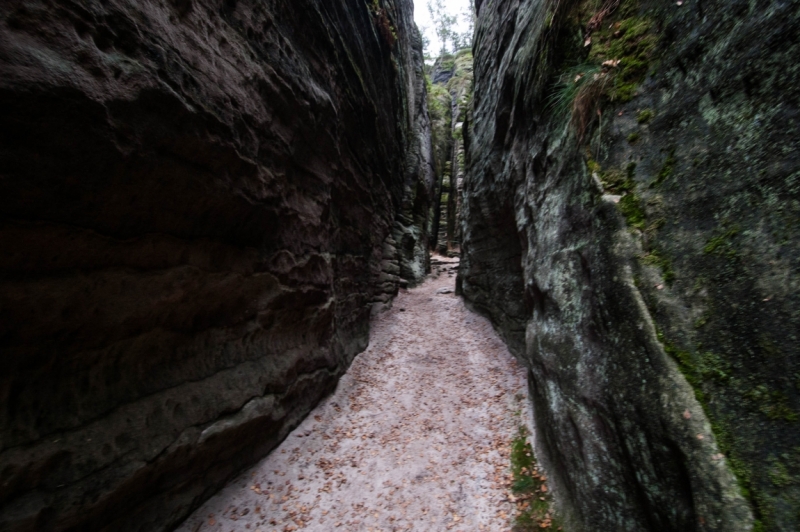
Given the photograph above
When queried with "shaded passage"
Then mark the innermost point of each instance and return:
(416, 436)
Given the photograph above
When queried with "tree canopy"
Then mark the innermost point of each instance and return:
(445, 26)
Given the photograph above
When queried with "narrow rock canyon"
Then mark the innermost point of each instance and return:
(548, 281)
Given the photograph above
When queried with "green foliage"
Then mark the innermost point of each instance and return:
(464, 53)
(633, 137)
(444, 24)
(438, 102)
(460, 84)
(562, 98)
(446, 61)
(631, 42)
(644, 116)
(529, 484)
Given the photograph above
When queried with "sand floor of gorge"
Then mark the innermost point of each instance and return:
(415, 437)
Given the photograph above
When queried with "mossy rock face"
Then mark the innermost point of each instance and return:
(646, 266)
(449, 100)
(443, 69)
(716, 156)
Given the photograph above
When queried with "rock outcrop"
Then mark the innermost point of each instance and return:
(199, 203)
(631, 223)
(449, 102)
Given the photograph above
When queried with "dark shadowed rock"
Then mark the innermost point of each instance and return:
(200, 203)
(631, 227)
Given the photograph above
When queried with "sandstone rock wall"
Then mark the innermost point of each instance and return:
(450, 96)
(197, 203)
(631, 227)
(413, 218)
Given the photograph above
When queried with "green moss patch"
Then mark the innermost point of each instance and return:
(627, 42)
(620, 44)
(666, 170)
(772, 403)
(702, 370)
(644, 116)
(726, 442)
(722, 244)
(631, 207)
(529, 488)
(657, 258)
(614, 181)
(685, 363)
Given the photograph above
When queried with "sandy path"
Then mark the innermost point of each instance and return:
(414, 438)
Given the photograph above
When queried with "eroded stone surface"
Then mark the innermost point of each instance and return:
(198, 200)
(449, 101)
(636, 439)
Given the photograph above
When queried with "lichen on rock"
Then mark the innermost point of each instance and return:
(630, 226)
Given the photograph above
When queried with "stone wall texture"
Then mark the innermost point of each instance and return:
(449, 101)
(631, 225)
(201, 201)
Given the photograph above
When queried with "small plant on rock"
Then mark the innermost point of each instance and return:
(644, 116)
(579, 96)
(529, 488)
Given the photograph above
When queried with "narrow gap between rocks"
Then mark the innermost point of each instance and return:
(416, 436)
